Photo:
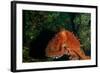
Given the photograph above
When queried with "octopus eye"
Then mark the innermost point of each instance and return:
(64, 46)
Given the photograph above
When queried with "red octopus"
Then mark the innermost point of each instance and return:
(65, 43)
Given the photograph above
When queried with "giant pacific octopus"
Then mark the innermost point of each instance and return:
(65, 43)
